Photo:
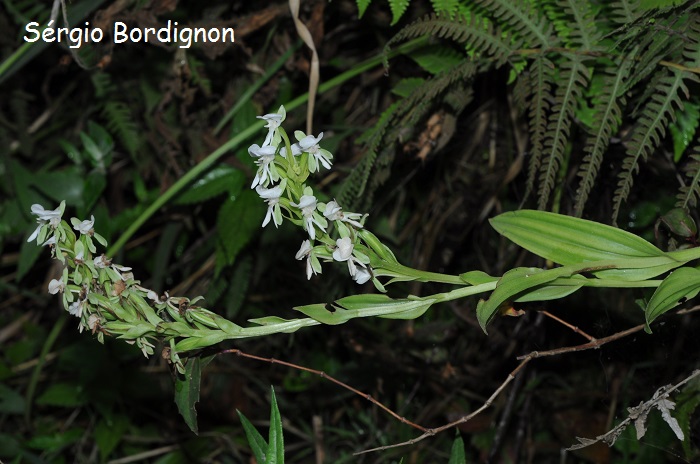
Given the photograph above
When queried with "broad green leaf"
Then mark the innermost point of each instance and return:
(511, 286)
(257, 443)
(680, 285)
(56, 441)
(559, 288)
(221, 179)
(368, 305)
(457, 455)
(108, 433)
(240, 218)
(568, 240)
(477, 277)
(62, 394)
(275, 445)
(187, 390)
(11, 402)
(437, 59)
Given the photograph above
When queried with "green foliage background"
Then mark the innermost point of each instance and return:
(586, 108)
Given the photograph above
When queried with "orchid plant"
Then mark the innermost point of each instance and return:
(108, 301)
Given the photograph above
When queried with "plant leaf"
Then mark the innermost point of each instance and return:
(681, 284)
(256, 441)
(187, 390)
(275, 446)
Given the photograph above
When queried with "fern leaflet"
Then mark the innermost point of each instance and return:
(607, 119)
(398, 8)
(575, 22)
(476, 32)
(574, 77)
(689, 194)
(650, 130)
(541, 79)
(518, 16)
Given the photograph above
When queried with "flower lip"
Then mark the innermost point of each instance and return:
(343, 250)
(85, 226)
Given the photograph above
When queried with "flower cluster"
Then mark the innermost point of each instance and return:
(282, 169)
(106, 298)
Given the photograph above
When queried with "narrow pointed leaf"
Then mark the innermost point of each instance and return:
(511, 286)
(680, 285)
(275, 444)
(257, 443)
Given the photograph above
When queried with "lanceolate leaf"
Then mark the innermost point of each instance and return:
(513, 284)
(187, 390)
(568, 240)
(368, 305)
(680, 285)
(275, 445)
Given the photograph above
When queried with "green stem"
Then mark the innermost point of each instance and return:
(34, 380)
(232, 144)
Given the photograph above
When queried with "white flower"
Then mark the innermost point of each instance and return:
(56, 286)
(266, 167)
(334, 212)
(307, 204)
(85, 226)
(102, 262)
(45, 216)
(313, 266)
(296, 150)
(50, 241)
(76, 308)
(362, 275)
(343, 249)
(272, 197)
(274, 120)
(309, 144)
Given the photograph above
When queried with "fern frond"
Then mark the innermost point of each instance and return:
(607, 117)
(362, 7)
(517, 16)
(624, 11)
(446, 7)
(574, 79)
(475, 32)
(398, 8)
(541, 78)
(120, 121)
(650, 130)
(688, 194)
(576, 24)
(354, 185)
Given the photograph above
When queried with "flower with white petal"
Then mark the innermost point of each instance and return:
(50, 241)
(362, 275)
(334, 212)
(296, 150)
(102, 262)
(307, 204)
(272, 197)
(56, 286)
(76, 308)
(84, 227)
(309, 144)
(45, 216)
(266, 166)
(313, 266)
(274, 120)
